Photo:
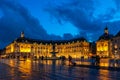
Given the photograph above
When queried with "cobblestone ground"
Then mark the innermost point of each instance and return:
(51, 70)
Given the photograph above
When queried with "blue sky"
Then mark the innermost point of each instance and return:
(57, 19)
(50, 24)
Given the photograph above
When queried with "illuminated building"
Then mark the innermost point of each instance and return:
(25, 47)
(116, 45)
(104, 45)
(75, 48)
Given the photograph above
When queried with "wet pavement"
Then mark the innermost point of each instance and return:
(51, 70)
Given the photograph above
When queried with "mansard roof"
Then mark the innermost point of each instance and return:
(105, 37)
(118, 34)
(24, 39)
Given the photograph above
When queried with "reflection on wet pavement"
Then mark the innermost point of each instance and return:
(51, 70)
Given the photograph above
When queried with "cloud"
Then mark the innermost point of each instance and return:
(76, 12)
(85, 15)
(89, 16)
(16, 18)
(117, 4)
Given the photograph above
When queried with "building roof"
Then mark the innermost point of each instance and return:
(28, 40)
(118, 34)
(105, 37)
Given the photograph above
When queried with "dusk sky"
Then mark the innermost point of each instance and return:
(57, 19)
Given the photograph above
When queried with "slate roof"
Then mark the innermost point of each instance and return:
(28, 40)
(105, 37)
(118, 34)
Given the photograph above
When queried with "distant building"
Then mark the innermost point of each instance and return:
(76, 48)
(25, 47)
(116, 45)
(104, 45)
